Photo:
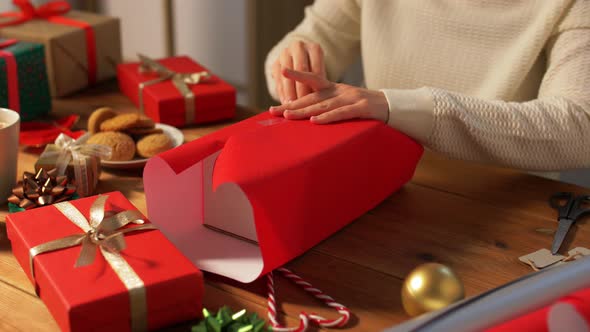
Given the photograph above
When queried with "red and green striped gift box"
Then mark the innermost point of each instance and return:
(23, 79)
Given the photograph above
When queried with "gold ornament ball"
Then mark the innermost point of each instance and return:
(429, 287)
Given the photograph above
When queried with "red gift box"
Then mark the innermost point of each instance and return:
(214, 99)
(94, 297)
(268, 189)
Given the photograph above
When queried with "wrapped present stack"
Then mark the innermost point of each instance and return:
(81, 48)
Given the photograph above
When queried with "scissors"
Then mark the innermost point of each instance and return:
(570, 208)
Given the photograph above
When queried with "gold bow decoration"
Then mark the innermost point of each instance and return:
(107, 235)
(77, 150)
(180, 80)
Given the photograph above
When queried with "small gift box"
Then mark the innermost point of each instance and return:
(81, 48)
(99, 265)
(232, 186)
(23, 79)
(76, 159)
(177, 91)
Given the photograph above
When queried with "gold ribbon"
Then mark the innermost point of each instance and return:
(106, 235)
(76, 150)
(180, 80)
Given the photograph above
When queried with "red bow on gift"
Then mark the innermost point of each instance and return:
(29, 12)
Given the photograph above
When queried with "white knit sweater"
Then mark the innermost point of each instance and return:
(499, 81)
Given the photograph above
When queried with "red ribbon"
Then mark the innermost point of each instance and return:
(12, 75)
(52, 12)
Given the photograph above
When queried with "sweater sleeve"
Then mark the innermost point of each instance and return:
(335, 26)
(551, 132)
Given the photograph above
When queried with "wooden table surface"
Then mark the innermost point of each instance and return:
(475, 218)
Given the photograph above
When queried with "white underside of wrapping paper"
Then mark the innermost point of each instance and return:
(181, 203)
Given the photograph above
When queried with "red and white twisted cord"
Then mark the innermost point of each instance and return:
(304, 318)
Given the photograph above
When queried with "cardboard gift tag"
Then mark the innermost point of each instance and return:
(284, 186)
(579, 251)
(543, 258)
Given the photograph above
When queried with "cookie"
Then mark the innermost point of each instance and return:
(143, 131)
(153, 144)
(145, 122)
(121, 122)
(99, 116)
(122, 145)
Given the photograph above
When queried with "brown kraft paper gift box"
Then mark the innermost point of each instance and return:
(66, 48)
(91, 165)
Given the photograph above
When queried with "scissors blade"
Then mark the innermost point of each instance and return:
(563, 227)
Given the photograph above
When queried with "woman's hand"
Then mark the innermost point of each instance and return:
(332, 101)
(301, 56)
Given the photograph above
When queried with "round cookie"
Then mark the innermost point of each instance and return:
(153, 144)
(145, 122)
(143, 131)
(99, 116)
(122, 145)
(121, 122)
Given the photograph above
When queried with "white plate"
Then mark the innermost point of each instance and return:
(172, 132)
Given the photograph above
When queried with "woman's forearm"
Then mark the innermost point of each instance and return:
(545, 134)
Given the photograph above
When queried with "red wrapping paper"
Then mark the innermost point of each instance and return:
(297, 182)
(36, 133)
(550, 317)
(215, 99)
(93, 298)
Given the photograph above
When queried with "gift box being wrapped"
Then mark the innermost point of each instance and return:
(76, 159)
(80, 48)
(23, 79)
(99, 265)
(254, 195)
(177, 91)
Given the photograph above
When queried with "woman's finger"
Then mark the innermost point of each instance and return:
(278, 78)
(315, 109)
(316, 59)
(315, 81)
(346, 112)
(289, 92)
(300, 63)
(310, 99)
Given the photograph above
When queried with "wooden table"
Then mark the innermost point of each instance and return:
(476, 219)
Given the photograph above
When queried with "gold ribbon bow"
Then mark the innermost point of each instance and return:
(180, 81)
(106, 235)
(76, 150)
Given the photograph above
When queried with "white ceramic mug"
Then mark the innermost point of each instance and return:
(9, 130)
